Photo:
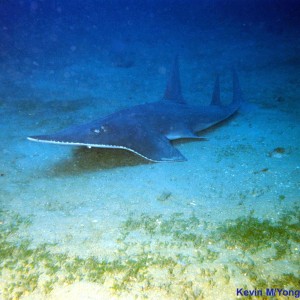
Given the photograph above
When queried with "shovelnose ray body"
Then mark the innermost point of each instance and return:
(147, 129)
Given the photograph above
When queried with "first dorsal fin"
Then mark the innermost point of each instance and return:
(173, 89)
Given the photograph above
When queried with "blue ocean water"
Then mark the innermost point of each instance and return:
(79, 223)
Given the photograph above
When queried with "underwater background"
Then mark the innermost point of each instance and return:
(78, 223)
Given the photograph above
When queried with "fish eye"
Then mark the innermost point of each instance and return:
(102, 129)
(95, 130)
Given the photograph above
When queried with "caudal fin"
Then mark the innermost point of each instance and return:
(216, 98)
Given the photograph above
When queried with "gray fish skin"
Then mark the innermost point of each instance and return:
(147, 129)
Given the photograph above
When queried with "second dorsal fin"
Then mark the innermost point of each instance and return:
(173, 89)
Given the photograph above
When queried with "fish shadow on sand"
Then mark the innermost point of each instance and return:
(84, 160)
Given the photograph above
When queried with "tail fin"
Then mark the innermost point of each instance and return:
(216, 98)
(173, 89)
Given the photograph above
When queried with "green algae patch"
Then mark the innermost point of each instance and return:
(177, 225)
(174, 257)
(138, 266)
(252, 234)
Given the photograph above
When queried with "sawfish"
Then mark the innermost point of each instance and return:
(148, 129)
